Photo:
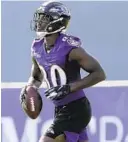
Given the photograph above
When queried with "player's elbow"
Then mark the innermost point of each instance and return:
(101, 75)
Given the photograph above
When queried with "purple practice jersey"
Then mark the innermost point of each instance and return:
(56, 66)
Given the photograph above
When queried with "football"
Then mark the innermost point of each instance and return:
(33, 102)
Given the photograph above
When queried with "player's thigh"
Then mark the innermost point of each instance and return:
(46, 139)
(59, 131)
(60, 138)
(80, 115)
(70, 120)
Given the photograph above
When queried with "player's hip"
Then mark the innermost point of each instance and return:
(74, 106)
(72, 97)
(75, 113)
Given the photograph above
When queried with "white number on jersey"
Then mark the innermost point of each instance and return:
(53, 69)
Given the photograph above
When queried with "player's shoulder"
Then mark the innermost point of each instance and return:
(35, 47)
(70, 40)
(35, 43)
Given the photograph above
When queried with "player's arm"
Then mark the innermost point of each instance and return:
(36, 75)
(35, 79)
(90, 65)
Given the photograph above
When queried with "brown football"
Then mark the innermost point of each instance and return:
(33, 102)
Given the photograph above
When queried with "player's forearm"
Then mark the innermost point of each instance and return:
(88, 81)
(36, 77)
(34, 82)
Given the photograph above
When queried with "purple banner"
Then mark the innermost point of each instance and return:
(109, 122)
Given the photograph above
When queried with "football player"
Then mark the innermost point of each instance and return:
(57, 60)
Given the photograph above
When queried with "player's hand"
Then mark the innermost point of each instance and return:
(23, 94)
(58, 92)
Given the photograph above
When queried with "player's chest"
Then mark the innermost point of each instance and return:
(49, 59)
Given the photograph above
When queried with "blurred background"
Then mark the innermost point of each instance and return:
(103, 29)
